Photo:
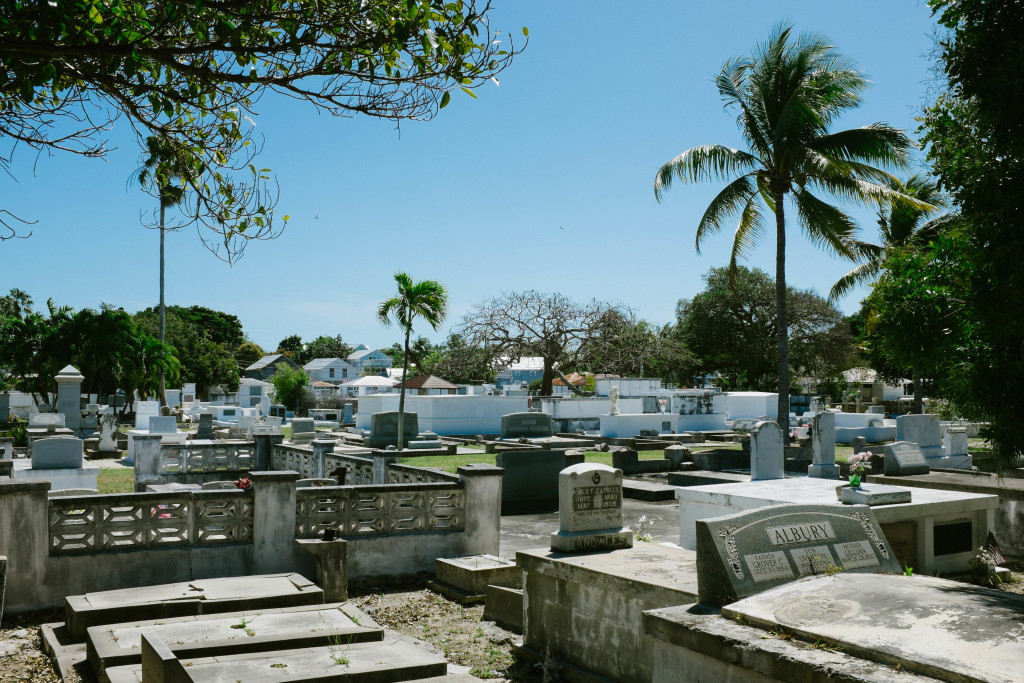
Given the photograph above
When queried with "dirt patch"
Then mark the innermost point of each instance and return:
(455, 631)
(21, 648)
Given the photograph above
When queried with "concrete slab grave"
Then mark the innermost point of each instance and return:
(749, 552)
(203, 596)
(389, 660)
(928, 626)
(215, 635)
(874, 494)
(465, 579)
(590, 510)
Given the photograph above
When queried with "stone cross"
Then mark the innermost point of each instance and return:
(823, 447)
(767, 458)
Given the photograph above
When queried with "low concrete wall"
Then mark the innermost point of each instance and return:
(446, 415)
(74, 545)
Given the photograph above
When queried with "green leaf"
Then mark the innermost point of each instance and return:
(526, 31)
(445, 99)
(469, 92)
(94, 15)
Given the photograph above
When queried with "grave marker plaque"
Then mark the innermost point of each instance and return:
(590, 510)
(749, 552)
(903, 457)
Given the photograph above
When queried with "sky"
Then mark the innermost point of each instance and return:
(543, 182)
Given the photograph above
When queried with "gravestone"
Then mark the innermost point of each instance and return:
(347, 414)
(384, 429)
(162, 425)
(590, 510)
(528, 425)
(303, 429)
(529, 483)
(5, 406)
(922, 430)
(69, 397)
(749, 552)
(903, 457)
(767, 459)
(677, 455)
(108, 433)
(6, 448)
(860, 444)
(823, 447)
(954, 441)
(145, 410)
(57, 453)
(650, 404)
(46, 420)
(613, 400)
(205, 430)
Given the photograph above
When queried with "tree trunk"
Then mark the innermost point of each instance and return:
(918, 408)
(548, 377)
(401, 396)
(781, 319)
(163, 311)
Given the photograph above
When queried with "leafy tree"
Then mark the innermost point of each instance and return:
(426, 299)
(289, 384)
(900, 225)
(730, 327)
(203, 360)
(290, 346)
(324, 347)
(518, 324)
(622, 345)
(461, 362)
(247, 354)
(222, 328)
(975, 135)
(788, 93)
(191, 72)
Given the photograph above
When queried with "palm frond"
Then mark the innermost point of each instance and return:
(825, 225)
(702, 163)
(877, 143)
(748, 233)
(865, 272)
(730, 200)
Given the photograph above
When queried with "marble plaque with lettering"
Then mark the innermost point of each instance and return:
(904, 457)
(749, 552)
(590, 510)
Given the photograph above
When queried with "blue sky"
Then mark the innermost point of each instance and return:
(542, 183)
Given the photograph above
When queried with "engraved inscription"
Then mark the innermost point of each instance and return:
(856, 554)
(769, 566)
(908, 454)
(800, 533)
(813, 560)
(588, 498)
(600, 542)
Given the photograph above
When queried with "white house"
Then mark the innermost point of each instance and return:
(369, 361)
(868, 383)
(524, 370)
(331, 370)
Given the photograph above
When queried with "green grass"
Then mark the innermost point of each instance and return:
(119, 480)
(450, 463)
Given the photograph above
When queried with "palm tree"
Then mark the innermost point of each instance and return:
(162, 171)
(428, 300)
(788, 94)
(900, 225)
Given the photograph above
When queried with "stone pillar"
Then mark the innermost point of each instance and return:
(273, 527)
(3, 585)
(148, 459)
(7, 448)
(25, 541)
(265, 450)
(482, 508)
(331, 559)
(823, 447)
(381, 460)
(69, 397)
(5, 407)
(321, 447)
(767, 459)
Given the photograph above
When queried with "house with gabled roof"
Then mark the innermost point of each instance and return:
(330, 370)
(265, 367)
(370, 361)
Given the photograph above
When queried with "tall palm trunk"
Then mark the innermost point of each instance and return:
(401, 396)
(781, 322)
(163, 312)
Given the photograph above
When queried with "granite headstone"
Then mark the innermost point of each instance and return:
(904, 457)
(767, 459)
(57, 453)
(823, 447)
(162, 425)
(528, 425)
(205, 430)
(145, 410)
(384, 429)
(922, 430)
(590, 510)
(749, 552)
(303, 429)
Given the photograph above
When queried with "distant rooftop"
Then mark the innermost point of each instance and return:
(266, 361)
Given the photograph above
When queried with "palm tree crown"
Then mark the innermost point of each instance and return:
(428, 300)
(899, 225)
(788, 94)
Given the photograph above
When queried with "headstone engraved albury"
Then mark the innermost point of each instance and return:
(903, 457)
(749, 552)
(590, 510)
